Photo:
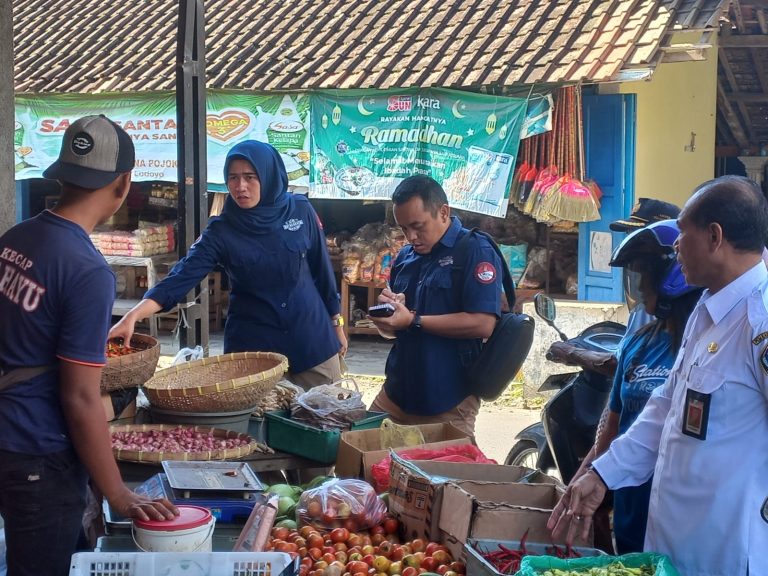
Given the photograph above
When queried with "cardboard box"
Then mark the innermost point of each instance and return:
(128, 412)
(361, 449)
(498, 511)
(416, 489)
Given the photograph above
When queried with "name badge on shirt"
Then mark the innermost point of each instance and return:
(696, 416)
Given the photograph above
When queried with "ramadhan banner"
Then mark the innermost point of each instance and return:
(150, 120)
(365, 142)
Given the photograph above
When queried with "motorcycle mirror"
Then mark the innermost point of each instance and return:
(545, 307)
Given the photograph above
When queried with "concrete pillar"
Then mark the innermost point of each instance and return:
(755, 166)
(7, 182)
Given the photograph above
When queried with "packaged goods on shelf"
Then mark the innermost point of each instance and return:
(369, 254)
(146, 241)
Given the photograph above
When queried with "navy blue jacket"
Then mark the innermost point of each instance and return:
(426, 374)
(283, 291)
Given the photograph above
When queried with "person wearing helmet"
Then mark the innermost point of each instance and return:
(645, 358)
(646, 211)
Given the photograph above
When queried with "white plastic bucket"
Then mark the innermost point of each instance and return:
(191, 531)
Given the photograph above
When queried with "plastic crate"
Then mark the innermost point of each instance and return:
(189, 564)
(304, 440)
(479, 566)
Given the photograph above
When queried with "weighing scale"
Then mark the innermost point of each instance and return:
(228, 489)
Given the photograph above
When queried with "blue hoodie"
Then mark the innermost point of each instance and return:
(283, 291)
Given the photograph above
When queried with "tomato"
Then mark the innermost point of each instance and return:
(391, 525)
(280, 533)
(357, 566)
(315, 540)
(378, 529)
(351, 525)
(339, 535)
(432, 546)
(315, 509)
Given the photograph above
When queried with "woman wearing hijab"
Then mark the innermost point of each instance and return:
(270, 243)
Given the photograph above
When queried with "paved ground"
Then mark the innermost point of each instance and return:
(496, 426)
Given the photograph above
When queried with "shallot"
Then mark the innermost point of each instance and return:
(178, 439)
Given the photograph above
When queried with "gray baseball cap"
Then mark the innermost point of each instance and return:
(94, 152)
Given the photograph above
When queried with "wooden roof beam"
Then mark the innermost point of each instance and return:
(738, 16)
(744, 41)
(761, 19)
(734, 123)
(748, 98)
(734, 85)
(758, 61)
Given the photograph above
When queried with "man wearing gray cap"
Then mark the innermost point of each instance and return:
(56, 296)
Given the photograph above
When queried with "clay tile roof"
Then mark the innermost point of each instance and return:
(262, 45)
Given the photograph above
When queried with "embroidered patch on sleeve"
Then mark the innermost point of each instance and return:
(485, 273)
(759, 338)
(764, 359)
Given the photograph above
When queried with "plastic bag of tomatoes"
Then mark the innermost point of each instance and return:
(350, 504)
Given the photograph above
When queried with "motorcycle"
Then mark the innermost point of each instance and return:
(570, 417)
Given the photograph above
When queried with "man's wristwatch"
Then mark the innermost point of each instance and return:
(416, 322)
(338, 321)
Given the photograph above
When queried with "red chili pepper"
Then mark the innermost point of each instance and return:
(522, 542)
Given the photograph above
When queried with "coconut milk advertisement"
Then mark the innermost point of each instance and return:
(364, 143)
(150, 120)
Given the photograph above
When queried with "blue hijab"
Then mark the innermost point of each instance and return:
(275, 204)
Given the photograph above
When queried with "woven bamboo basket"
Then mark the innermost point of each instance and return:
(157, 457)
(131, 370)
(225, 383)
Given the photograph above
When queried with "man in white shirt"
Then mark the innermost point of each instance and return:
(704, 433)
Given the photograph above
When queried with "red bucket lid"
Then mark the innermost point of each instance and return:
(189, 517)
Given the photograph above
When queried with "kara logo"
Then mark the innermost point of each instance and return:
(82, 143)
(293, 224)
(399, 104)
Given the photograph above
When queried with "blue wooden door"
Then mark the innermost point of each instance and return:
(609, 148)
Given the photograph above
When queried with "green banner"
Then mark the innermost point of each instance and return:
(150, 120)
(365, 142)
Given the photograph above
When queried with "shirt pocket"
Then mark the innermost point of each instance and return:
(297, 249)
(714, 384)
(436, 292)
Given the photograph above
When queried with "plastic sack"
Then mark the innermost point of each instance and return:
(393, 435)
(350, 504)
(329, 407)
(462, 453)
(188, 354)
(516, 258)
(538, 565)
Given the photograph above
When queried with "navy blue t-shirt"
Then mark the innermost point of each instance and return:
(644, 364)
(426, 374)
(56, 295)
(283, 289)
